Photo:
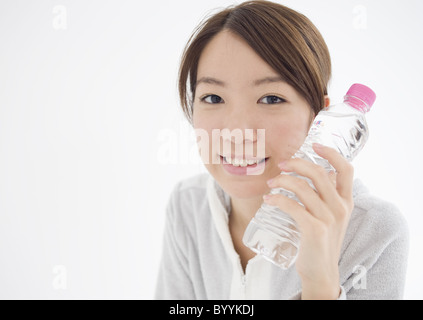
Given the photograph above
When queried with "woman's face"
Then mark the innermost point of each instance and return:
(238, 91)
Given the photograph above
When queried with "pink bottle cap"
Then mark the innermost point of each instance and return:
(363, 93)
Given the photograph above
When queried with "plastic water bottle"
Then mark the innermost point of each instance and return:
(273, 233)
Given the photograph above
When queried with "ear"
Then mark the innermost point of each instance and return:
(327, 101)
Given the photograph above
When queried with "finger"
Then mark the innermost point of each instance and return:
(292, 208)
(317, 174)
(332, 178)
(345, 171)
(305, 194)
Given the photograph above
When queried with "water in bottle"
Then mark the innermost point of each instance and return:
(273, 233)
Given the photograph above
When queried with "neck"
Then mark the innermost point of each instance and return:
(243, 210)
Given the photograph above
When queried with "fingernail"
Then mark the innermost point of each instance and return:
(267, 197)
(269, 182)
(318, 146)
(282, 165)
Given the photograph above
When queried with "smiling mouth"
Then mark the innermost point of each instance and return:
(237, 162)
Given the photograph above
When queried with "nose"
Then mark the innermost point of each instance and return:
(243, 124)
(242, 133)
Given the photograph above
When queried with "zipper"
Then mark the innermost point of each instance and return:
(243, 277)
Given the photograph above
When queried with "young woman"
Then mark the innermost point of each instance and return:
(260, 65)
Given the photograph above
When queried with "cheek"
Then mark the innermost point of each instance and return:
(285, 138)
(206, 144)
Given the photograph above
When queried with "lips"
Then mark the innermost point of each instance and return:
(240, 167)
(242, 162)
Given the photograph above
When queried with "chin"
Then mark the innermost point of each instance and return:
(247, 187)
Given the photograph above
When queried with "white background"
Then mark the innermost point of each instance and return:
(92, 139)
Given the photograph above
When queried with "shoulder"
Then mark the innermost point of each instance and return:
(375, 247)
(188, 197)
(376, 227)
(381, 218)
(193, 188)
(196, 183)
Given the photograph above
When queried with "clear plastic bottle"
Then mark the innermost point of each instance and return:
(273, 233)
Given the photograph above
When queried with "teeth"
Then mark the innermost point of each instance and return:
(241, 162)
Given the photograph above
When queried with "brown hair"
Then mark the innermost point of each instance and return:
(287, 40)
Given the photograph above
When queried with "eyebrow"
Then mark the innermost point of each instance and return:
(210, 80)
(268, 80)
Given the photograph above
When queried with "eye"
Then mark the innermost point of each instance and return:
(212, 99)
(271, 100)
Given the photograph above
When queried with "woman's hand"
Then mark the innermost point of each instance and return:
(322, 221)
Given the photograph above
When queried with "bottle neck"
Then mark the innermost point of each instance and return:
(357, 103)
